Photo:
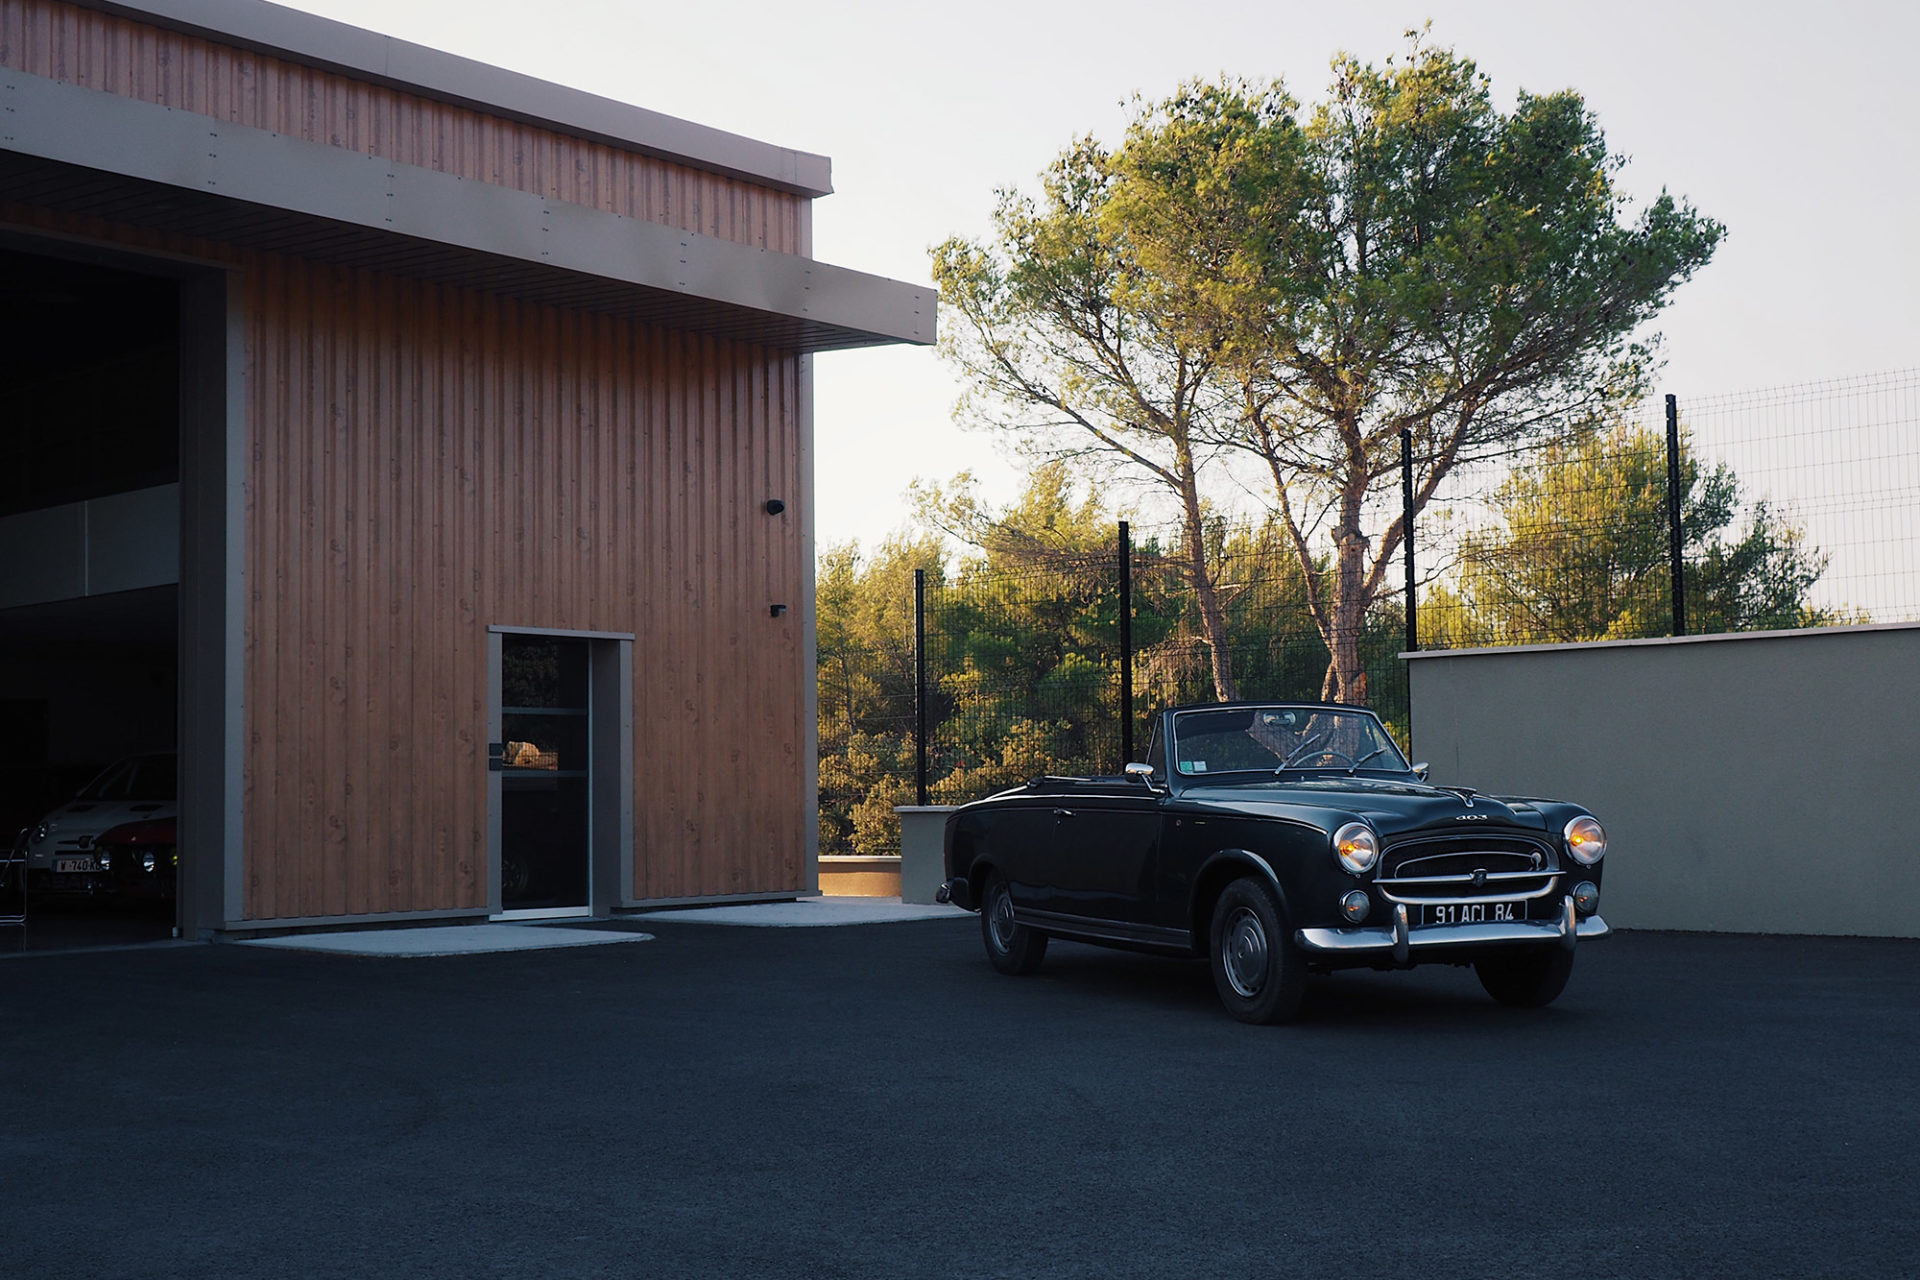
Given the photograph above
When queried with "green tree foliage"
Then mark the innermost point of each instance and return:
(1237, 278)
(865, 675)
(1025, 637)
(1020, 638)
(1579, 552)
(1023, 646)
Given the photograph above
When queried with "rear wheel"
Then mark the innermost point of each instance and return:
(1527, 979)
(1257, 970)
(1012, 947)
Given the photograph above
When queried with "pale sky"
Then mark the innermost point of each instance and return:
(1793, 124)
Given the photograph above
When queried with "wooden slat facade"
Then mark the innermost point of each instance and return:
(118, 55)
(427, 461)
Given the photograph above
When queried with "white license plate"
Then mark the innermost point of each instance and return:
(1472, 912)
(73, 864)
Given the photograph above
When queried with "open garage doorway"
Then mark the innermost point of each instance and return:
(91, 377)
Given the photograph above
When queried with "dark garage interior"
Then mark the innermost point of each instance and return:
(89, 595)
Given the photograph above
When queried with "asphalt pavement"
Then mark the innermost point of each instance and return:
(875, 1101)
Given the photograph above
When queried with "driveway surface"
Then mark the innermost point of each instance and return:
(875, 1101)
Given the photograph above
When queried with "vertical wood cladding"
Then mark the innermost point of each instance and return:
(427, 461)
(133, 59)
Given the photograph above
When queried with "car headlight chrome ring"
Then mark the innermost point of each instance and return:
(1586, 840)
(1357, 847)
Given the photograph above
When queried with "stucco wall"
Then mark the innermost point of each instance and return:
(1758, 783)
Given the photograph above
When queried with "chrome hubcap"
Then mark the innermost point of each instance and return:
(1243, 953)
(1000, 919)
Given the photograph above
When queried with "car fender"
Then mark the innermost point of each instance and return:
(982, 866)
(1215, 868)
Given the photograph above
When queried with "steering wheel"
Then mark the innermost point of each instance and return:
(1324, 753)
(1312, 750)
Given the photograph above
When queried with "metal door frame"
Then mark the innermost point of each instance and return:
(609, 772)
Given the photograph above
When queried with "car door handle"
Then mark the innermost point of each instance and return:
(1063, 813)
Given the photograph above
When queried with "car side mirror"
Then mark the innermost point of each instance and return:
(1141, 773)
(1421, 770)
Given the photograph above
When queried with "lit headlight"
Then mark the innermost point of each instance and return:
(1586, 840)
(1356, 846)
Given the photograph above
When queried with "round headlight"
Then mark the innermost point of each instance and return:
(1586, 840)
(42, 831)
(1356, 846)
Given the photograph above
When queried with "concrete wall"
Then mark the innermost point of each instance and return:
(122, 542)
(1758, 783)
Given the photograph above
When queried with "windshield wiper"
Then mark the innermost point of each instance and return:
(1304, 749)
(1355, 766)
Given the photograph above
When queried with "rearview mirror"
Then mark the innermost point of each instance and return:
(1421, 770)
(1140, 772)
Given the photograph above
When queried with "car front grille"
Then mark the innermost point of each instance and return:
(1474, 868)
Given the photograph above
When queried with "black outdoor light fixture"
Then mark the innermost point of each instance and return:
(777, 610)
(775, 506)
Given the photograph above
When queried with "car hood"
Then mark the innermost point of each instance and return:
(1392, 807)
(156, 831)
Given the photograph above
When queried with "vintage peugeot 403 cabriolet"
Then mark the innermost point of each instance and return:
(1278, 840)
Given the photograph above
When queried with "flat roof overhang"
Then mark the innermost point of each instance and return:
(83, 151)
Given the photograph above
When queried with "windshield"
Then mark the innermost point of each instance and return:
(137, 778)
(1268, 739)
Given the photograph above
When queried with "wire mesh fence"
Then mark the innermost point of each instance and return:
(1792, 507)
(1057, 663)
(1838, 461)
(1797, 507)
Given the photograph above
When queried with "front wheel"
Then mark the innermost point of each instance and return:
(1012, 947)
(1257, 970)
(1527, 979)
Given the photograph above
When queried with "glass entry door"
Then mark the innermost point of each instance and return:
(545, 772)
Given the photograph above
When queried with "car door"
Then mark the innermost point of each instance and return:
(1020, 840)
(1108, 843)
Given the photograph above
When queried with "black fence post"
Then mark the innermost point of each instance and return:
(1126, 647)
(920, 685)
(1676, 565)
(1406, 524)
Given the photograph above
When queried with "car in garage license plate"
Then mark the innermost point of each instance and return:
(73, 864)
(1472, 912)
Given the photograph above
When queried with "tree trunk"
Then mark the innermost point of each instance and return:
(1215, 622)
(1346, 680)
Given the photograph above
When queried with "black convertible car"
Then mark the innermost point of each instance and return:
(1281, 839)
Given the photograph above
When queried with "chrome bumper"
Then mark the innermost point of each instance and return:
(1400, 941)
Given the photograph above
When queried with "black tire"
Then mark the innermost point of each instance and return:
(1259, 973)
(1527, 979)
(1011, 947)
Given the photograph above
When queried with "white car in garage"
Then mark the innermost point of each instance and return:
(60, 847)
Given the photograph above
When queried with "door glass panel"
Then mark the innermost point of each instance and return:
(544, 800)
